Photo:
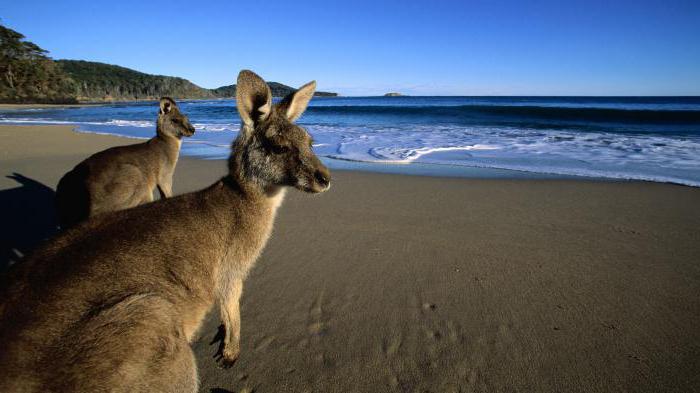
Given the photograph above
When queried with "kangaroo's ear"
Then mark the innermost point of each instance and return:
(166, 105)
(295, 103)
(253, 98)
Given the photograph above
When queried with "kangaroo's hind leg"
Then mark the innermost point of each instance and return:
(134, 345)
(172, 369)
(169, 364)
(178, 373)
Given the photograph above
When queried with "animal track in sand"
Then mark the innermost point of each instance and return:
(317, 327)
(454, 332)
(429, 353)
(431, 322)
(433, 334)
(304, 343)
(391, 345)
(393, 381)
(627, 231)
(349, 302)
(264, 343)
(324, 360)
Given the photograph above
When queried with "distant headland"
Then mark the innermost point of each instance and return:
(393, 94)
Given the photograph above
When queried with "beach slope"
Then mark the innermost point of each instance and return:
(392, 283)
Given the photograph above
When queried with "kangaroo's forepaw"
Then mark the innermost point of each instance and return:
(226, 355)
(227, 358)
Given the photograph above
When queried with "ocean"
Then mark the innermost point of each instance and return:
(641, 138)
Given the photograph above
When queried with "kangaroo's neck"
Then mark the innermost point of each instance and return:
(252, 193)
(245, 213)
(167, 145)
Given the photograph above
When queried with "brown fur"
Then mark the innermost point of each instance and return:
(125, 176)
(112, 304)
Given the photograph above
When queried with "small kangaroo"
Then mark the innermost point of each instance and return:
(125, 176)
(113, 303)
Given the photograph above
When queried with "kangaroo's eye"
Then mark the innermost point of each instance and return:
(279, 149)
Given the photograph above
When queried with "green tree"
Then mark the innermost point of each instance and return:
(28, 74)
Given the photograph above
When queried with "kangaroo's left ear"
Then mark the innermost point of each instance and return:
(253, 98)
(295, 103)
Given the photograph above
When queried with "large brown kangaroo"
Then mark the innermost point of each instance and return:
(125, 176)
(113, 303)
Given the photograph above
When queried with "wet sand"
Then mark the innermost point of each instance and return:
(391, 283)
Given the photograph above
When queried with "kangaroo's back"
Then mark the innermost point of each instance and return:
(72, 200)
(117, 178)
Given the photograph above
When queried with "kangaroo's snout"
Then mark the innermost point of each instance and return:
(323, 178)
(320, 181)
(189, 129)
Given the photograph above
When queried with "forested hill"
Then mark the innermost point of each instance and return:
(278, 90)
(28, 75)
(99, 81)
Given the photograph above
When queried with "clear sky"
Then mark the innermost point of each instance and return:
(372, 47)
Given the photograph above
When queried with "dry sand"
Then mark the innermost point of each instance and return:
(412, 284)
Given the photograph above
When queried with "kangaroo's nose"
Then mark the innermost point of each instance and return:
(322, 178)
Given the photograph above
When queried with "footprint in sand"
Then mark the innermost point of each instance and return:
(317, 327)
(433, 334)
(626, 231)
(454, 332)
(428, 311)
(391, 345)
(264, 343)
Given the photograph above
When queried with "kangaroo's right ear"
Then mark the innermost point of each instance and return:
(295, 103)
(166, 105)
(253, 98)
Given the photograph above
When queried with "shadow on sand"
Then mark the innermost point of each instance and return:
(26, 218)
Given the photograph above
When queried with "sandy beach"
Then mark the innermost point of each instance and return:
(393, 283)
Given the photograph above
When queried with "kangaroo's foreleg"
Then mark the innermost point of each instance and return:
(229, 304)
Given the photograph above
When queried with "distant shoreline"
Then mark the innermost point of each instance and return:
(101, 103)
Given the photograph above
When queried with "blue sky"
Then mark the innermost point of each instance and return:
(371, 47)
